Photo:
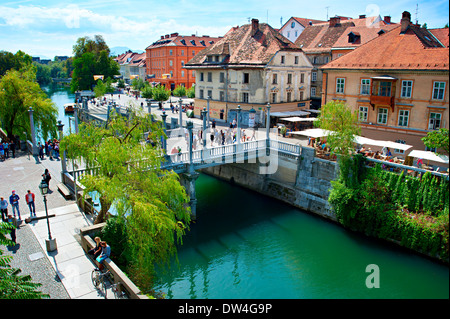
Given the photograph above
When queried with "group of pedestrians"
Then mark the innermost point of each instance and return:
(49, 148)
(14, 200)
(6, 148)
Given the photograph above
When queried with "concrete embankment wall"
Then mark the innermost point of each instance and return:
(303, 182)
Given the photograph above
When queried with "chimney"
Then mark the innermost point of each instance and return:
(387, 19)
(162, 37)
(405, 22)
(255, 26)
(362, 16)
(167, 36)
(334, 21)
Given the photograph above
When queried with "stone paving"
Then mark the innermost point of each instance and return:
(64, 273)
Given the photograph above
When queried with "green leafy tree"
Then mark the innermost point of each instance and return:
(16, 61)
(19, 91)
(100, 88)
(13, 285)
(161, 93)
(150, 202)
(147, 91)
(180, 91)
(437, 139)
(341, 124)
(91, 57)
(190, 93)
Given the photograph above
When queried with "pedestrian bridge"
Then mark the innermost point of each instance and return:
(248, 151)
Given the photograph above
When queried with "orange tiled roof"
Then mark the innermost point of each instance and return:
(187, 41)
(415, 49)
(305, 22)
(442, 35)
(241, 47)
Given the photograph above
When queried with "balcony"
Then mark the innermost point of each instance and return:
(382, 91)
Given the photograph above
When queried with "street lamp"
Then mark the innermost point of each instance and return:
(50, 243)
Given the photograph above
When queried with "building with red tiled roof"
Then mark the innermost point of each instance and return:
(326, 41)
(166, 58)
(132, 65)
(252, 65)
(295, 26)
(398, 82)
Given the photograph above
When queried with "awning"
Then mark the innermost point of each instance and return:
(314, 132)
(429, 156)
(299, 119)
(384, 77)
(286, 114)
(368, 141)
(313, 111)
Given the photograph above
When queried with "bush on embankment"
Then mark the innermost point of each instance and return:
(413, 212)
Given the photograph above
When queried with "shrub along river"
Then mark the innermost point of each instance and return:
(246, 245)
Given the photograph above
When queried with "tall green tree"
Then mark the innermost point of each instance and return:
(91, 57)
(180, 91)
(150, 202)
(16, 61)
(161, 93)
(18, 92)
(341, 124)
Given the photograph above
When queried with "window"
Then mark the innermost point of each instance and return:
(222, 96)
(296, 58)
(274, 98)
(384, 88)
(282, 58)
(193, 52)
(201, 92)
(202, 76)
(365, 86)
(302, 78)
(170, 63)
(363, 113)
(209, 94)
(340, 85)
(182, 73)
(288, 34)
(313, 76)
(382, 116)
(434, 122)
(244, 97)
(170, 52)
(438, 90)
(313, 91)
(406, 88)
(301, 95)
(222, 77)
(289, 78)
(315, 60)
(182, 52)
(288, 97)
(274, 78)
(209, 76)
(246, 78)
(403, 117)
(296, 33)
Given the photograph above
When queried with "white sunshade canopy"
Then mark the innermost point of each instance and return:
(429, 156)
(291, 113)
(314, 132)
(368, 141)
(299, 119)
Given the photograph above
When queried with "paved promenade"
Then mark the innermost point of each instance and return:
(65, 273)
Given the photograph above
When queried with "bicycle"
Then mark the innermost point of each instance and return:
(97, 277)
(118, 293)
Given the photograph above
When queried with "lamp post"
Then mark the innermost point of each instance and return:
(181, 112)
(60, 127)
(50, 242)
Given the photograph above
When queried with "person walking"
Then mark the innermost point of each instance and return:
(13, 221)
(14, 201)
(29, 197)
(4, 209)
(47, 177)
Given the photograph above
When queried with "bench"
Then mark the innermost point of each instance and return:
(64, 191)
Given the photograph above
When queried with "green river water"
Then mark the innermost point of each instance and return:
(246, 245)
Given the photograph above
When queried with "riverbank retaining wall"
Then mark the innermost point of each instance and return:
(302, 181)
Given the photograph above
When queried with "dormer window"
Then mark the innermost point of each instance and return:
(202, 42)
(353, 37)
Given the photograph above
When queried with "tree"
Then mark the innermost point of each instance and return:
(190, 93)
(91, 57)
(437, 139)
(16, 61)
(341, 124)
(100, 89)
(19, 91)
(12, 285)
(147, 91)
(161, 93)
(150, 202)
(180, 91)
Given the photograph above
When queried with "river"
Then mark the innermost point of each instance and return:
(245, 245)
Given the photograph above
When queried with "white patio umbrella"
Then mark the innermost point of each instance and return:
(314, 132)
(431, 156)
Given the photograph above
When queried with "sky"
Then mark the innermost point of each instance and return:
(47, 28)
